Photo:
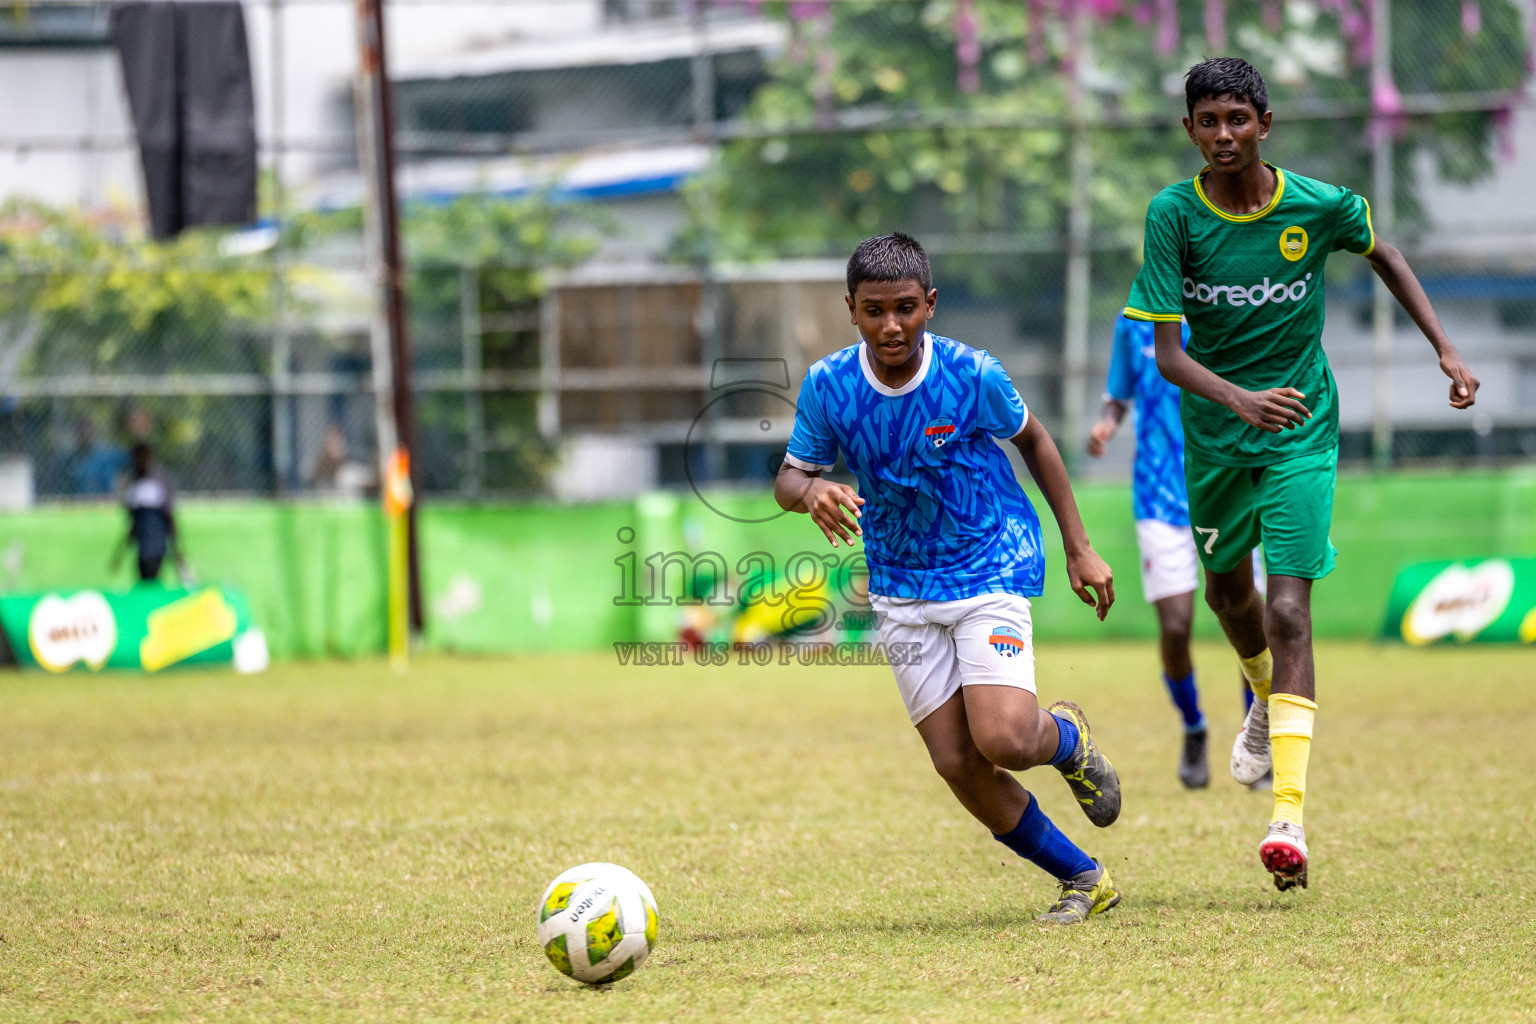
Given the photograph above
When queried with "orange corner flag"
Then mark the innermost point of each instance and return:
(397, 483)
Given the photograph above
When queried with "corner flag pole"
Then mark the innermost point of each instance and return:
(398, 499)
(393, 405)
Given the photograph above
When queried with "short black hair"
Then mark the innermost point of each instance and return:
(892, 257)
(1225, 76)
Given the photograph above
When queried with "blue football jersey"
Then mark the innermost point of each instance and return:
(944, 517)
(1157, 480)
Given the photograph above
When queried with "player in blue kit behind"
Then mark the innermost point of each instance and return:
(954, 554)
(1170, 568)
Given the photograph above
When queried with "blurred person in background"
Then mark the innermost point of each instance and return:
(96, 466)
(335, 471)
(1170, 567)
(149, 502)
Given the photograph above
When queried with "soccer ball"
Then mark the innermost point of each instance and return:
(597, 923)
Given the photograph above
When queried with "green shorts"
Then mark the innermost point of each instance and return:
(1287, 505)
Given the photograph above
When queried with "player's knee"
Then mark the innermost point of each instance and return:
(1013, 749)
(1225, 602)
(1288, 621)
(959, 765)
(1217, 601)
(1176, 629)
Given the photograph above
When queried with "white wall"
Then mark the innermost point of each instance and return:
(319, 49)
(78, 93)
(67, 94)
(1493, 219)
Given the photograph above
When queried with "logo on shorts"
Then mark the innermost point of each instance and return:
(939, 431)
(1006, 641)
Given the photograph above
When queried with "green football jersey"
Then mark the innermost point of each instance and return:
(1251, 288)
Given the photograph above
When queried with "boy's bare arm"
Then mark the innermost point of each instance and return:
(1399, 278)
(1089, 575)
(1106, 426)
(1273, 410)
(828, 503)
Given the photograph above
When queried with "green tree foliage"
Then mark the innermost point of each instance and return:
(99, 302)
(875, 120)
(1431, 54)
(501, 248)
(80, 299)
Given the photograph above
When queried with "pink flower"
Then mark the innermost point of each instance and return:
(1216, 24)
(1167, 27)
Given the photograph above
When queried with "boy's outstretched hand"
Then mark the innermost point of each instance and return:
(1099, 436)
(1092, 580)
(829, 505)
(1463, 385)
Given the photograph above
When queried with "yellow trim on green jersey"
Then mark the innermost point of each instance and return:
(1371, 227)
(1140, 314)
(1269, 208)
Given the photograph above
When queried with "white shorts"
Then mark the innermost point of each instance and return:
(1169, 564)
(984, 639)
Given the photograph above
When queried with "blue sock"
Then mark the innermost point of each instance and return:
(1041, 843)
(1186, 698)
(1247, 699)
(1068, 741)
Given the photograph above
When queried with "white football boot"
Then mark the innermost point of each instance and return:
(1284, 853)
(1250, 751)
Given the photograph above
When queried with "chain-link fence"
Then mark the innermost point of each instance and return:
(606, 201)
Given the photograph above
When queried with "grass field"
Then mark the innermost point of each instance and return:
(332, 842)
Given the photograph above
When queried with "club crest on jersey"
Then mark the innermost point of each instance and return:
(1293, 243)
(939, 432)
(1005, 640)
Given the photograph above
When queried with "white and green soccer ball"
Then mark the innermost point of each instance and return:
(597, 923)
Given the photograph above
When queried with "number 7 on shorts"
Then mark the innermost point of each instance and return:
(1210, 541)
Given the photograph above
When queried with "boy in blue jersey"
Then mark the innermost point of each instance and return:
(1169, 565)
(1170, 568)
(954, 554)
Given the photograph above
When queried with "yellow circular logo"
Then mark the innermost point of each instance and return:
(1293, 243)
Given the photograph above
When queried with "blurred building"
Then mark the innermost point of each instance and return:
(67, 138)
(1477, 259)
(620, 105)
(622, 115)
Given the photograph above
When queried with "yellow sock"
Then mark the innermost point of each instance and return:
(1258, 670)
(1290, 741)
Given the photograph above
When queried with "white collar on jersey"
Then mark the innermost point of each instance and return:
(911, 385)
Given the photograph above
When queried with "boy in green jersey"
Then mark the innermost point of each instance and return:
(1239, 251)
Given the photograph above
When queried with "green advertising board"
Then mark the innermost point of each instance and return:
(538, 577)
(1490, 600)
(147, 628)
